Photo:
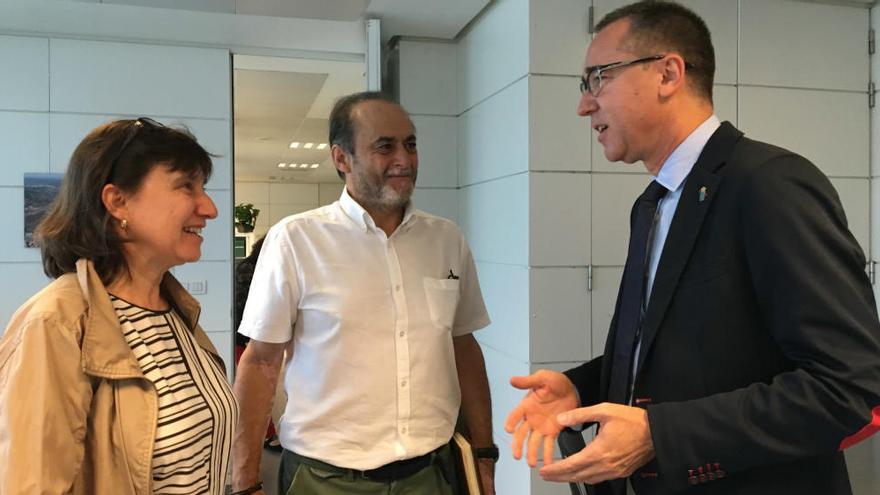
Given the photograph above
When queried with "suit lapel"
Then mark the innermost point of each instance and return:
(700, 189)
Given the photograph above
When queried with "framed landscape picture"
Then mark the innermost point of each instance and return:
(39, 192)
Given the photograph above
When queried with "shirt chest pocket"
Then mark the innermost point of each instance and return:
(442, 297)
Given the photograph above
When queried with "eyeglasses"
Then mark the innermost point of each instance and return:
(593, 80)
(133, 130)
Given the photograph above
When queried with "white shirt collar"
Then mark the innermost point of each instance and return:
(361, 217)
(679, 164)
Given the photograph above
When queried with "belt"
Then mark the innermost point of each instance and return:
(392, 471)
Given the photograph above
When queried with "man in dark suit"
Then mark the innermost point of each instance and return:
(744, 351)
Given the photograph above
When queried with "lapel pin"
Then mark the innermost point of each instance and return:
(702, 194)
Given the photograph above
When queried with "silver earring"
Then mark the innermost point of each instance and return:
(123, 224)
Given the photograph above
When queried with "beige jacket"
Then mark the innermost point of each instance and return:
(77, 415)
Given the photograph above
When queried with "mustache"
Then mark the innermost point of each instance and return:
(401, 173)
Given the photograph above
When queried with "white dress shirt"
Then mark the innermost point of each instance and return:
(672, 175)
(372, 378)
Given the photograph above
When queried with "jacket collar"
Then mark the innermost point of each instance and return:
(105, 352)
(700, 189)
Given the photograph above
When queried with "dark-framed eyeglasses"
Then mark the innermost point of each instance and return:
(133, 130)
(592, 82)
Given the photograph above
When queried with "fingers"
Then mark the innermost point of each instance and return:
(526, 382)
(582, 415)
(535, 442)
(565, 469)
(548, 450)
(514, 418)
(519, 437)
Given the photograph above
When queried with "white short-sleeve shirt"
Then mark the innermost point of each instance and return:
(372, 378)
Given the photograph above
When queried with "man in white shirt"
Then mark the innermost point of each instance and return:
(375, 302)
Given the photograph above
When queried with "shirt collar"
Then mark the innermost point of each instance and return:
(361, 217)
(679, 164)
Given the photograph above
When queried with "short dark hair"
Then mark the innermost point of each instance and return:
(342, 124)
(663, 26)
(122, 152)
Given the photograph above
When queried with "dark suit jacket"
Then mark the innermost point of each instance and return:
(760, 357)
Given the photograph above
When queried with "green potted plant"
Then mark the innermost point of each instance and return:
(245, 217)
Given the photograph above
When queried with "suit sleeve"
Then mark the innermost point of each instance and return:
(816, 302)
(44, 400)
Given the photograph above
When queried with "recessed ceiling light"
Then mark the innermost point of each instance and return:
(308, 146)
(282, 165)
(315, 165)
(294, 144)
(322, 146)
(303, 165)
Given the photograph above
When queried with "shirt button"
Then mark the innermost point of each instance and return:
(397, 288)
(403, 383)
(403, 429)
(402, 333)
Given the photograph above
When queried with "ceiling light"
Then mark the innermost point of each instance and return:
(308, 146)
(322, 146)
(294, 144)
(315, 165)
(282, 165)
(303, 165)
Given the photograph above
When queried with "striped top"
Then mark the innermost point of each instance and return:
(197, 411)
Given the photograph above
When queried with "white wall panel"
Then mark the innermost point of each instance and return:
(125, 78)
(329, 192)
(427, 82)
(725, 103)
(781, 40)
(440, 202)
(438, 150)
(855, 197)
(559, 219)
(558, 36)
(511, 477)
(558, 137)
(560, 315)
(217, 301)
(218, 233)
(24, 139)
(12, 202)
(720, 17)
(613, 197)
(495, 217)
(252, 192)
(606, 285)
(65, 133)
(837, 142)
(285, 193)
(277, 212)
(29, 279)
(506, 294)
(493, 136)
(215, 136)
(494, 53)
(25, 81)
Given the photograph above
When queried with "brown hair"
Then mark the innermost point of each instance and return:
(661, 26)
(122, 152)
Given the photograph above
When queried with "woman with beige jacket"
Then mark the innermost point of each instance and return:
(107, 382)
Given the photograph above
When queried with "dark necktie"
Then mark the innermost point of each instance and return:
(632, 304)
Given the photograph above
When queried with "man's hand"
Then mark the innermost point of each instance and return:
(622, 445)
(550, 393)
